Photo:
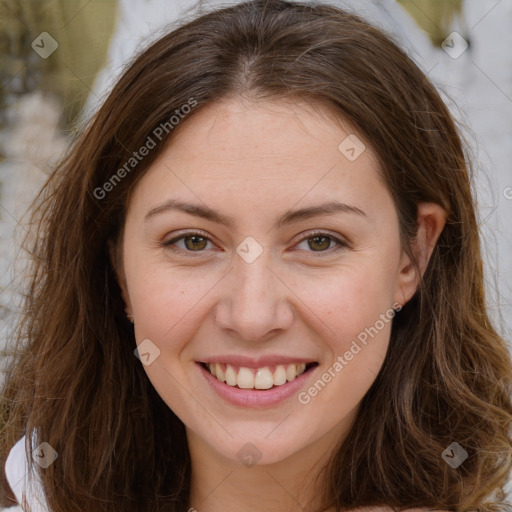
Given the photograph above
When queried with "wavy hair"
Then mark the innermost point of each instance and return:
(447, 373)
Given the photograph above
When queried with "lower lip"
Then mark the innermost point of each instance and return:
(256, 397)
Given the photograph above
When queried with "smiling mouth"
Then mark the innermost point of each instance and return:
(257, 378)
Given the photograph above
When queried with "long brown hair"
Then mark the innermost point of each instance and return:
(447, 374)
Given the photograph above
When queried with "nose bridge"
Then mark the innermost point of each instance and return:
(255, 303)
(252, 282)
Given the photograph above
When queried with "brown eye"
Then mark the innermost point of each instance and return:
(196, 242)
(319, 243)
(188, 243)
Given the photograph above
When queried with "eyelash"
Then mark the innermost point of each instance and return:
(170, 243)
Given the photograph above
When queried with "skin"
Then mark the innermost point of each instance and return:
(253, 161)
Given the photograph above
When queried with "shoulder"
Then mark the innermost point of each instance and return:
(27, 488)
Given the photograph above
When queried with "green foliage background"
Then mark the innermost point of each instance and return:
(433, 16)
(82, 28)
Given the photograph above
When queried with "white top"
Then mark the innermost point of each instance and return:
(29, 493)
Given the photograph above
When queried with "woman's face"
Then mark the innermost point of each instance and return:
(282, 249)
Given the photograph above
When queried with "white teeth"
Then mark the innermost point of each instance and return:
(230, 375)
(280, 375)
(245, 378)
(219, 373)
(291, 372)
(263, 379)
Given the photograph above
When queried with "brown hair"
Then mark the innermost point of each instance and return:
(447, 374)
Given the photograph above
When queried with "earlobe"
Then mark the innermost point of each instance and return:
(431, 221)
(121, 281)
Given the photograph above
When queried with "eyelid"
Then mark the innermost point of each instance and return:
(334, 236)
(169, 244)
(340, 240)
(189, 232)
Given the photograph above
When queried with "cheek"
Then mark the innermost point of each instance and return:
(164, 303)
(169, 303)
(348, 299)
(168, 309)
(356, 324)
(355, 308)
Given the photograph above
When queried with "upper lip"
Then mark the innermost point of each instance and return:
(261, 362)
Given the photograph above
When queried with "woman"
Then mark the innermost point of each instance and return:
(258, 285)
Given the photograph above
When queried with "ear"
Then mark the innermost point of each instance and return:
(121, 281)
(431, 221)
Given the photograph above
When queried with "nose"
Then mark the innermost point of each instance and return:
(255, 303)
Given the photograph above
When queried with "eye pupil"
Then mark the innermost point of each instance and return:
(194, 237)
(316, 239)
(195, 242)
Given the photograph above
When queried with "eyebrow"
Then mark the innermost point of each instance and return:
(288, 217)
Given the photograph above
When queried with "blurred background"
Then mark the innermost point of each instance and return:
(59, 59)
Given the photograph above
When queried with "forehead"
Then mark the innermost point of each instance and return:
(265, 130)
(260, 154)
